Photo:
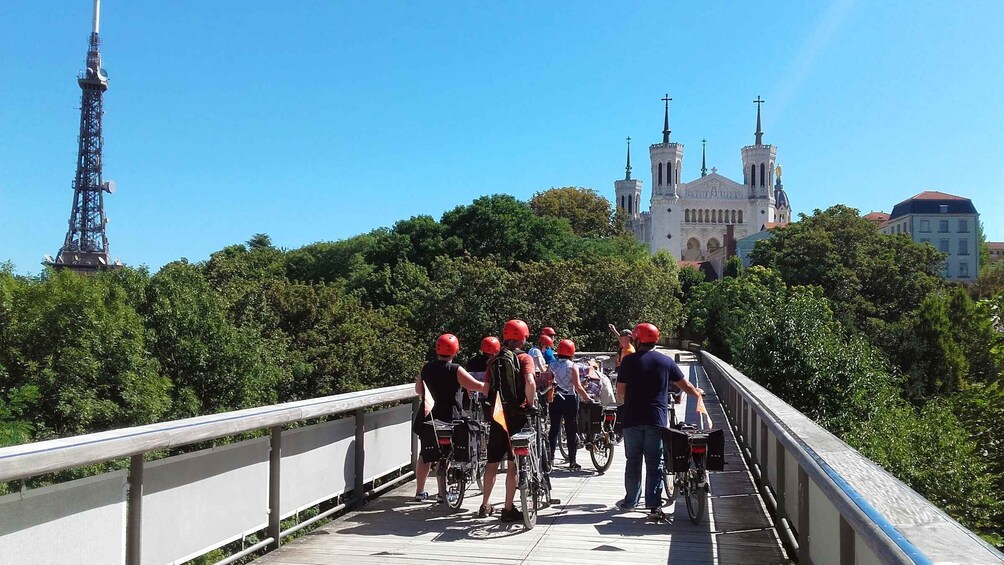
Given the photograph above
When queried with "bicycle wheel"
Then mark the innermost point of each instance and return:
(563, 442)
(456, 487)
(527, 492)
(696, 497)
(602, 454)
(668, 486)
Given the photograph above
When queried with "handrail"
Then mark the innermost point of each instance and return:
(876, 530)
(33, 459)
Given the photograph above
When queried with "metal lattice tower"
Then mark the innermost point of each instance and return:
(85, 248)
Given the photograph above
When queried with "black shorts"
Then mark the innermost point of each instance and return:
(498, 442)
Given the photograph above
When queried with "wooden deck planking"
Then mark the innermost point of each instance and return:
(584, 527)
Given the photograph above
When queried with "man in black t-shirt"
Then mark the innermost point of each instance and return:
(443, 380)
(643, 383)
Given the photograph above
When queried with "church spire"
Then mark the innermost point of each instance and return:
(665, 124)
(758, 133)
(704, 157)
(627, 169)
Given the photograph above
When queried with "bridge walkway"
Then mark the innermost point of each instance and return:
(585, 527)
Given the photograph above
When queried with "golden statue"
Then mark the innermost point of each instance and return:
(777, 171)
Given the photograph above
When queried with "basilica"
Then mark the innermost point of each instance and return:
(690, 219)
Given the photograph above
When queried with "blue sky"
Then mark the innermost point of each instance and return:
(318, 120)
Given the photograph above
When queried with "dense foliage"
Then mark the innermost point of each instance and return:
(256, 325)
(856, 330)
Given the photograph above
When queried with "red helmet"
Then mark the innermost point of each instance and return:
(566, 348)
(645, 333)
(515, 330)
(546, 341)
(491, 345)
(548, 331)
(447, 345)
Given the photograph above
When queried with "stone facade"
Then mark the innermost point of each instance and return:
(688, 219)
(947, 222)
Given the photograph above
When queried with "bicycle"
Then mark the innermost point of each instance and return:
(533, 479)
(668, 477)
(693, 448)
(477, 413)
(599, 444)
(452, 473)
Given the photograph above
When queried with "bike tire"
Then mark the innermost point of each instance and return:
(668, 486)
(602, 457)
(696, 498)
(563, 443)
(457, 487)
(527, 493)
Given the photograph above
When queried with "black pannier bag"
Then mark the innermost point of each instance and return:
(428, 442)
(676, 447)
(590, 419)
(714, 459)
(466, 440)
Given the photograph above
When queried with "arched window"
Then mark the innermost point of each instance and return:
(678, 167)
(622, 201)
(686, 215)
(733, 216)
(713, 244)
(700, 216)
(669, 173)
(660, 174)
(629, 205)
(763, 174)
(752, 175)
(740, 216)
(709, 214)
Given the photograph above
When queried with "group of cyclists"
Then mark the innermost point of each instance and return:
(515, 386)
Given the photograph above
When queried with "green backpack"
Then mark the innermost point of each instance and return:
(507, 379)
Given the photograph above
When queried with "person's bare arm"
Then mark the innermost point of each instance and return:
(685, 386)
(613, 330)
(577, 384)
(470, 383)
(419, 388)
(621, 391)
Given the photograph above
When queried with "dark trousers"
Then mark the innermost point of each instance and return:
(567, 407)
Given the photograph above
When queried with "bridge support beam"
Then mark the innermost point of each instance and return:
(360, 494)
(803, 517)
(847, 556)
(274, 486)
(134, 517)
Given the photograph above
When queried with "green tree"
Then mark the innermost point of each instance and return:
(733, 267)
(984, 249)
(214, 365)
(870, 278)
(79, 342)
(587, 212)
(503, 227)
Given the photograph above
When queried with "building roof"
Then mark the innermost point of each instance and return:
(877, 217)
(995, 245)
(930, 202)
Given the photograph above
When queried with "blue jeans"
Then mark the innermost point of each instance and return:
(639, 441)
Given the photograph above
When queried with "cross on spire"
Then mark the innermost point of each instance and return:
(758, 133)
(665, 126)
(704, 157)
(627, 169)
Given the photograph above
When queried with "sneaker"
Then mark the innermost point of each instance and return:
(574, 467)
(623, 505)
(656, 514)
(486, 510)
(421, 497)
(440, 499)
(510, 515)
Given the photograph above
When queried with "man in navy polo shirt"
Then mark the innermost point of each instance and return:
(643, 383)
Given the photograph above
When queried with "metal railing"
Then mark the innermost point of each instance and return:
(28, 460)
(830, 503)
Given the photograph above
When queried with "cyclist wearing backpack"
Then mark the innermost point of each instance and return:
(443, 379)
(477, 366)
(568, 389)
(511, 379)
(643, 384)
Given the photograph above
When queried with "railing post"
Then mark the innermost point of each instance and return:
(359, 495)
(846, 542)
(803, 517)
(274, 485)
(415, 406)
(134, 518)
(782, 510)
(764, 452)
